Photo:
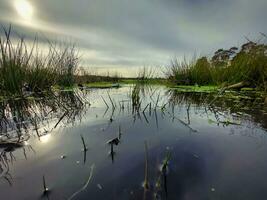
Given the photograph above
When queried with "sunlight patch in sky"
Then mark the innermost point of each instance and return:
(24, 9)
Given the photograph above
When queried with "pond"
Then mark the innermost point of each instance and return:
(133, 143)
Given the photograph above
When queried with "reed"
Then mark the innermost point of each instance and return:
(84, 145)
(14, 60)
(26, 68)
(145, 74)
(45, 188)
(146, 183)
(136, 99)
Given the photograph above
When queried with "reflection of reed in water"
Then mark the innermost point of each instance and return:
(20, 117)
(238, 105)
(7, 157)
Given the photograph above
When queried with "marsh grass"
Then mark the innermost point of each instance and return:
(179, 71)
(14, 60)
(65, 61)
(248, 65)
(26, 68)
(145, 74)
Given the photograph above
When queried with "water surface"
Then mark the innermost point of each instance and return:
(215, 149)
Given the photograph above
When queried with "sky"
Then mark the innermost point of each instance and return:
(124, 35)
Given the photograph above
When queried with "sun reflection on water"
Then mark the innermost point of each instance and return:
(45, 138)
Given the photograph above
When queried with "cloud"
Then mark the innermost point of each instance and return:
(128, 34)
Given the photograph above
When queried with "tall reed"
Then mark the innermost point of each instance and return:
(25, 67)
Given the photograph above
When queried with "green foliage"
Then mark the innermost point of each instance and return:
(200, 73)
(249, 65)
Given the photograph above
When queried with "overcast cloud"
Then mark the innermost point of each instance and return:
(126, 34)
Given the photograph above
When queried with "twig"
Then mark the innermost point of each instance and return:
(85, 185)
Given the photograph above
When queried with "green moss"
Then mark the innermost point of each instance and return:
(101, 85)
(155, 81)
(193, 88)
(105, 84)
(128, 81)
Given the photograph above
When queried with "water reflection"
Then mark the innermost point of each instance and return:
(8, 159)
(45, 138)
(195, 128)
(19, 117)
(236, 106)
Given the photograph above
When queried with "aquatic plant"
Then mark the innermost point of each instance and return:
(14, 60)
(146, 182)
(135, 98)
(65, 61)
(84, 145)
(145, 74)
(178, 72)
(120, 133)
(45, 188)
(112, 142)
(163, 175)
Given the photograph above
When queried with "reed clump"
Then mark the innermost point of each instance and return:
(26, 68)
(145, 75)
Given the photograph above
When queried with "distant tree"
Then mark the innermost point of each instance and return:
(250, 64)
(222, 57)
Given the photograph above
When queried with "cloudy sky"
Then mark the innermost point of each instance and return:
(123, 35)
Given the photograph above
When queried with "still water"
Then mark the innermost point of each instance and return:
(198, 146)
